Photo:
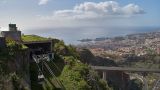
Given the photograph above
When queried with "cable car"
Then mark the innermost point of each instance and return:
(40, 78)
(51, 56)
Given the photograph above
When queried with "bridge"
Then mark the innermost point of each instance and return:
(105, 69)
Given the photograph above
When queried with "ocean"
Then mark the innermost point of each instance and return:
(72, 35)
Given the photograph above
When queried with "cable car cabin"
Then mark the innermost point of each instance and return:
(51, 56)
(45, 57)
(40, 78)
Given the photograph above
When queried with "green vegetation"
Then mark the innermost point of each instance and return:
(86, 56)
(73, 74)
(48, 86)
(30, 38)
(135, 84)
(149, 61)
(79, 76)
(67, 66)
(11, 82)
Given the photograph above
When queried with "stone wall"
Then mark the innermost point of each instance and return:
(20, 65)
(15, 35)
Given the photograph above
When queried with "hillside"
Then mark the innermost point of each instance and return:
(87, 57)
(66, 66)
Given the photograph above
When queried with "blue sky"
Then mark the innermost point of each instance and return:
(79, 14)
(26, 11)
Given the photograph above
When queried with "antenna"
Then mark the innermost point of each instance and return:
(12, 19)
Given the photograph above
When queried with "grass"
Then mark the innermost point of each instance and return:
(30, 38)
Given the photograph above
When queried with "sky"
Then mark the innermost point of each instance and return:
(43, 16)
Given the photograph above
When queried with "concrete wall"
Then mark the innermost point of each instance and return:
(15, 35)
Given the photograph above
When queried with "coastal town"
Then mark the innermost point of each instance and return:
(137, 44)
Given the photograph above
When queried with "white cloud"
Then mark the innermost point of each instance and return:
(43, 2)
(92, 10)
(3, 28)
(89, 14)
(132, 9)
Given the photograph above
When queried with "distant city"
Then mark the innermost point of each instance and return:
(138, 44)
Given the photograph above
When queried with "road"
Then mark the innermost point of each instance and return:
(104, 68)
